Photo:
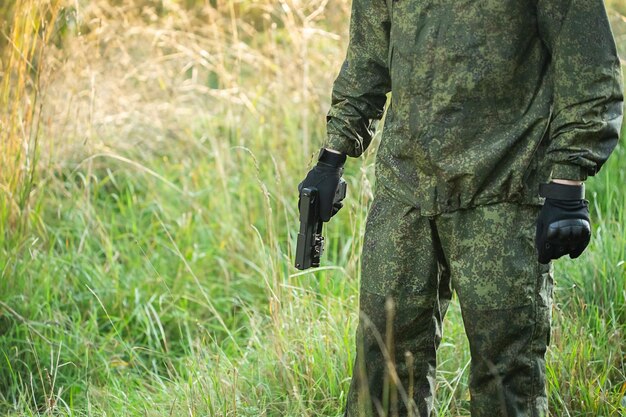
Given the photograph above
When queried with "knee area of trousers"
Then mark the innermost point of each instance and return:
(408, 318)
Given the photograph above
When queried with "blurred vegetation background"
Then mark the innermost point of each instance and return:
(149, 157)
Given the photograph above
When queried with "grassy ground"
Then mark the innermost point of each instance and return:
(151, 272)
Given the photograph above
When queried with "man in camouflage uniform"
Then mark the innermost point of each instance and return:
(490, 99)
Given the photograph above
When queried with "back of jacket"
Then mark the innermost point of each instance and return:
(488, 98)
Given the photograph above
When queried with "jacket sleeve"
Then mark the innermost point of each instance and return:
(588, 91)
(359, 92)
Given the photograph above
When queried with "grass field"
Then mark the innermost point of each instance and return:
(150, 156)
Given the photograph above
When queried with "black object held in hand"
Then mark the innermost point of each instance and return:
(563, 225)
(324, 177)
(310, 245)
(320, 197)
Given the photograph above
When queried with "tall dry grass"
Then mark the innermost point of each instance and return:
(141, 70)
(26, 35)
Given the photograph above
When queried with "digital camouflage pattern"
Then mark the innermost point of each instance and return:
(489, 98)
(410, 265)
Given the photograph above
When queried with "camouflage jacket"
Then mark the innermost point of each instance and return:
(488, 98)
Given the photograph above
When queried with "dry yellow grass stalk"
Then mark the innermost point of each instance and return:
(26, 35)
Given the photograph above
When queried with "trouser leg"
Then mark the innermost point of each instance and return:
(505, 297)
(404, 295)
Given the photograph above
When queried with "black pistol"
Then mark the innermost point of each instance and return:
(310, 244)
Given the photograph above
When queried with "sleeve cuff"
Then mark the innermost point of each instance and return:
(344, 145)
(568, 172)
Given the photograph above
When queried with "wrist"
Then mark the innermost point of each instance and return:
(333, 151)
(331, 158)
(559, 191)
(567, 182)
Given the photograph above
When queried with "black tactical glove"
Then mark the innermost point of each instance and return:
(563, 225)
(325, 177)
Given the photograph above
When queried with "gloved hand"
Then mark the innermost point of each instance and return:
(563, 225)
(325, 177)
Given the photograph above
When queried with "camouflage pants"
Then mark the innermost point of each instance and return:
(410, 265)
